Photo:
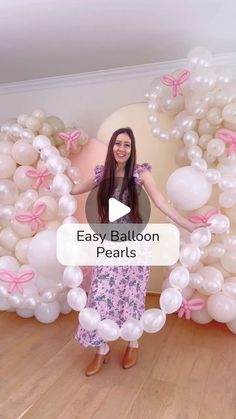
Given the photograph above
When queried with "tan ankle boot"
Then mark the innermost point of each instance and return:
(97, 363)
(130, 357)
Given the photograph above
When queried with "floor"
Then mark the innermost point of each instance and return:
(186, 371)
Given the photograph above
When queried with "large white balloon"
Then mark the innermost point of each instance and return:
(221, 307)
(42, 254)
(188, 189)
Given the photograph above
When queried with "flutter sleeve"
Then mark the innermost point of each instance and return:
(140, 168)
(98, 173)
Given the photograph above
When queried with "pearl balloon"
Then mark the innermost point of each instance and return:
(170, 300)
(7, 166)
(221, 307)
(23, 153)
(179, 277)
(201, 237)
(131, 330)
(77, 298)
(199, 57)
(108, 330)
(42, 254)
(72, 276)
(153, 320)
(47, 312)
(89, 318)
(188, 189)
(8, 192)
(33, 123)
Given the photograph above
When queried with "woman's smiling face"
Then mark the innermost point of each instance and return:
(122, 148)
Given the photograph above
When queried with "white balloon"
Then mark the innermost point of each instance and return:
(199, 57)
(219, 224)
(61, 184)
(72, 276)
(56, 164)
(25, 313)
(42, 254)
(189, 255)
(77, 299)
(229, 288)
(153, 320)
(188, 189)
(89, 318)
(170, 300)
(47, 312)
(195, 280)
(201, 237)
(67, 205)
(179, 277)
(108, 330)
(131, 330)
(221, 307)
(41, 141)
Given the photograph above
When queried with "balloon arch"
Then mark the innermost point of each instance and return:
(36, 178)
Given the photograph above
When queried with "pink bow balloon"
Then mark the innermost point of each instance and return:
(33, 217)
(190, 305)
(39, 175)
(200, 218)
(175, 82)
(16, 280)
(70, 138)
(229, 137)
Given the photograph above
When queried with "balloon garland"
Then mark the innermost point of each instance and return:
(202, 101)
(36, 178)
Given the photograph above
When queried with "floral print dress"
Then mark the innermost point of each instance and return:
(116, 292)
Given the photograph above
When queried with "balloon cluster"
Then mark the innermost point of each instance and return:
(201, 100)
(36, 178)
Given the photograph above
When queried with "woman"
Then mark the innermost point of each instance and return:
(119, 292)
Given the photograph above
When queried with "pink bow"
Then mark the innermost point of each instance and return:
(175, 82)
(190, 305)
(200, 218)
(39, 175)
(229, 137)
(16, 280)
(33, 217)
(70, 138)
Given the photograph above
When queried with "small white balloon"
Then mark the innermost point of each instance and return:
(131, 330)
(77, 299)
(170, 300)
(153, 320)
(201, 237)
(179, 277)
(108, 330)
(72, 276)
(89, 318)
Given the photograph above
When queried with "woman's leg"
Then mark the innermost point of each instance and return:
(103, 349)
(133, 344)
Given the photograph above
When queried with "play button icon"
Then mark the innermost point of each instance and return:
(119, 214)
(117, 209)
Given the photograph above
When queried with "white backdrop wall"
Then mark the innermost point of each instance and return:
(87, 104)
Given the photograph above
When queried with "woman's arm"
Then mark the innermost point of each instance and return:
(161, 203)
(83, 187)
